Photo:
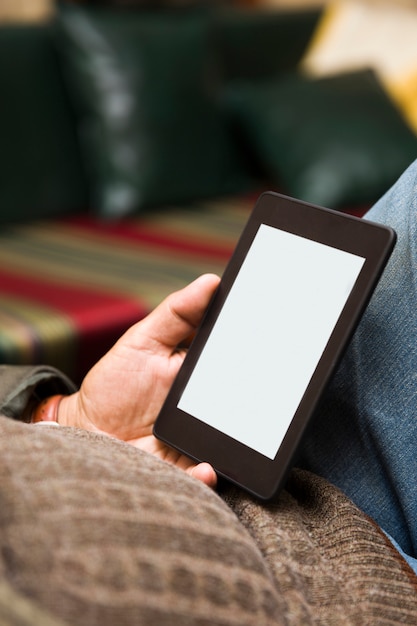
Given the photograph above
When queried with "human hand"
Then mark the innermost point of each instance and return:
(122, 394)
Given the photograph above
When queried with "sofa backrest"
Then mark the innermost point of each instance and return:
(41, 172)
(258, 44)
(43, 169)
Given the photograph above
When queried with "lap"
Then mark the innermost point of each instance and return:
(364, 436)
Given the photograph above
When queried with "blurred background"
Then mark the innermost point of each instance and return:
(40, 9)
(135, 141)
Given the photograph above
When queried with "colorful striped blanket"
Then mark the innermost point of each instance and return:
(70, 287)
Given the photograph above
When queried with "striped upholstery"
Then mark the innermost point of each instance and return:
(69, 288)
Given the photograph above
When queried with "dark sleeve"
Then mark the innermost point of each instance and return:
(21, 385)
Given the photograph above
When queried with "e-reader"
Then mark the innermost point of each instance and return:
(273, 334)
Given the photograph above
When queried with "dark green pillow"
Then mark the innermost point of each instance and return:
(152, 131)
(258, 44)
(40, 165)
(336, 141)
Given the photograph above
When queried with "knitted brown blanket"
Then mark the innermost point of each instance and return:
(94, 532)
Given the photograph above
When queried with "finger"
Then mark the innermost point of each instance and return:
(205, 473)
(181, 312)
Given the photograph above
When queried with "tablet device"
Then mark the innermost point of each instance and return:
(286, 307)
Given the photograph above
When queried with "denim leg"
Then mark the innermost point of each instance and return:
(364, 437)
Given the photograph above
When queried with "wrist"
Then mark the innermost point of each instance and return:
(46, 410)
(57, 409)
(69, 414)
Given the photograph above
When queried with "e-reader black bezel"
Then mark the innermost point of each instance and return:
(231, 459)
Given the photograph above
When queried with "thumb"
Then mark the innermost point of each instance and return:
(180, 313)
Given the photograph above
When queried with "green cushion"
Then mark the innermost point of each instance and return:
(257, 44)
(152, 131)
(40, 167)
(337, 141)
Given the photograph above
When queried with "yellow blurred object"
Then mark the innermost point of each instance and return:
(291, 4)
(25, 10)
(353, 35)
(404, 92)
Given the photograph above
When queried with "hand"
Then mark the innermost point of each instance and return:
(122, 394)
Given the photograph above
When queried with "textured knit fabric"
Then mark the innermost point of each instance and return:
(331, 563)
(94, 532)
(16, 610)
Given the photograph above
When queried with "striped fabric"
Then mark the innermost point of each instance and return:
(69, 288)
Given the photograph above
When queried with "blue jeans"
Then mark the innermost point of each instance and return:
(364, 438)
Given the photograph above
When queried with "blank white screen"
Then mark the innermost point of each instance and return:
(269, 337)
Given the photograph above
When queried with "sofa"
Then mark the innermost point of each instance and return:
(135, 142)
(94, 531)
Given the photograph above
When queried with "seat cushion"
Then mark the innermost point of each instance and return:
(70, 287)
